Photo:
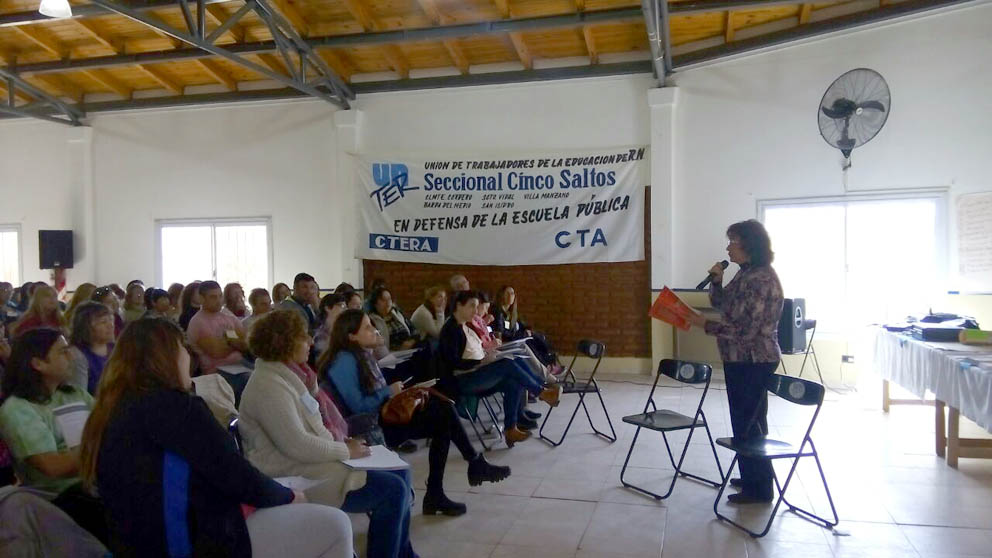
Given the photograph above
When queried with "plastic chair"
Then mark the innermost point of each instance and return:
(594, 350)
(800, 392)
(665, 421)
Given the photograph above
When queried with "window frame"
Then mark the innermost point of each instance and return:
(213, 223)
(16, 229)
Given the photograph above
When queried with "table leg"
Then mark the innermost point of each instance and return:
(941, 428)
(885, 396)
(953, 439)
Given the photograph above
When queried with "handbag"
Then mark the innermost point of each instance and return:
(400, 408)
(366, 426)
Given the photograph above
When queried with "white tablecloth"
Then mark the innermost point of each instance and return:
(957, 375)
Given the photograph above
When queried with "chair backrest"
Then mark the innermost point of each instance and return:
(795, 390)
(685, 371)
(591, 349)
(232, 428)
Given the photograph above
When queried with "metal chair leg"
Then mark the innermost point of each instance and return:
(809, 515)
(609, 422)
(547, 415)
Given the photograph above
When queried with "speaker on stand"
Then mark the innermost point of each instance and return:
(792, 328)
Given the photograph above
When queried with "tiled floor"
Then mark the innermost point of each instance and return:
(895, 498)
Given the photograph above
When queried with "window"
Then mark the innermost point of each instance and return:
(859, 260)
(226, 251)
(10, 254)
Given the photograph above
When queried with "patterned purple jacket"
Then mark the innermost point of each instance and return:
(750, 307)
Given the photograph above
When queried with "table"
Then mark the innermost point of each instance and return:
(959, 376)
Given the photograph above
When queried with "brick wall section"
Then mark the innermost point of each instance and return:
(604, 301)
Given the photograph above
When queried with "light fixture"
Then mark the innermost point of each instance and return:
(55, 8)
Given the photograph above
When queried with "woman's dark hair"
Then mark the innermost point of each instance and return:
(101, 293)
(350, 295)
(348, 323)
(754, 240)
(25, 296)
(327, 302)
(462, 297)
(82, 322)
(483, 297)
(256, 294)
(20, 378)
(343, 288)
(376, 295)
(152, 295)
(208, 286)
(186, 299)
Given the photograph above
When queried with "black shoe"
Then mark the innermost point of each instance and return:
(532, 415)
(439, 503)
(407, 446)
(525, 423)
(480, 471)
(745, 498)
(736, 482)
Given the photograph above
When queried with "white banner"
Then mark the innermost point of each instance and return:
(555, 208)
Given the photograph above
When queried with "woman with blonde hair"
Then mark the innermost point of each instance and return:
(172, 479)
(429, 317)
(43, 312)
(82, 294)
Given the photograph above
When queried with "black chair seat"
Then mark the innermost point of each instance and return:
(663, 420)
(579, 387)
(762, 447)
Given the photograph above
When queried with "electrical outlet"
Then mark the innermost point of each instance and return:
(847, 359)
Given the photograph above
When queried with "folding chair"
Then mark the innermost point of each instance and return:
(800, 392)
(468, 407)
(666, 421)
(594, 350)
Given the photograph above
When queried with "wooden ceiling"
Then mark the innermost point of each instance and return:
(47, 53)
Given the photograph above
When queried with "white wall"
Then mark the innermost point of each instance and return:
(746, 129)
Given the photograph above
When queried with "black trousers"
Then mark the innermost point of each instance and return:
(85, 509)
(748, 400)
(439, 422)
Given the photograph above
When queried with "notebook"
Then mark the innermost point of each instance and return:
(382, 459)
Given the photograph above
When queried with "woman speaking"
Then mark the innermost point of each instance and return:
(747, 334)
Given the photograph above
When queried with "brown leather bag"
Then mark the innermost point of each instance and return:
(400, 408)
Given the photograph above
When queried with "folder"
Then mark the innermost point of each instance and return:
(669, 308)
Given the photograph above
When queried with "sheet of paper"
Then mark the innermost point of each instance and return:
(382, 459)
(297, 483)
(425, 384)
(71, 419)
(396, 357)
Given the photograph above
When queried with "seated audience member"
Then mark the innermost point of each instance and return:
(292, 428)
(458, 283)
(8, 307)
(35, 384)
(217, 336)
(107, 297)
(172, 478)
(234, 300)
(279, 292)
(24, 296)
(468, 368)
(43, 312)
(175, 301)
(84, 293)
(507, 326)
(134, 302)
(260, 303)
(190, 302)
(481, 323)
(343, 288)
(92, 342)
(331, 306)
(157, 304)
(304, 300)
(392, 325)
(356, 380)
(353, 300)
(428, 318)
(31, 527)
(378, 283)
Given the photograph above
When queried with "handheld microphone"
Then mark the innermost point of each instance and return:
(705, 282)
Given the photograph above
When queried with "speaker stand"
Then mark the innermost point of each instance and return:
(809, 350)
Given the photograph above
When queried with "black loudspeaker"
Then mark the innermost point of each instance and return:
(792, 326)
(55, 249)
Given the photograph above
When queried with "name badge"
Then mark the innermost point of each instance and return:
(309, 403)
(506, 324)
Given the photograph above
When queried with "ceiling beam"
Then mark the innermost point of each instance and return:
(429, 7)
(728, 35)
(104, 78)
(93, 31)
(457, 55)
(82, 11)
(811, 30)
(503, 7)
(804, 12)
(580, 5)
(163, 80)
(273, 63)
(42, 38)
(590, 45)
(396, 60)
(564, 21)
(63, 86)
(523, 52)
(215, 71)
(293, 15)
(218, 16)
(360, 11)
(337, 63)
(394, 56)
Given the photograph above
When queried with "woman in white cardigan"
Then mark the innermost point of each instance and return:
(291, 428)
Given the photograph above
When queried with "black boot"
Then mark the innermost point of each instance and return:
(480, 471)
(525, 423)
(437, 502)
(532, 415)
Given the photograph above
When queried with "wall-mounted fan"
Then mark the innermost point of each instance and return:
(854, 109)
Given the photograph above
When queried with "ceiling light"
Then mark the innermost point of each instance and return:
(55, 8)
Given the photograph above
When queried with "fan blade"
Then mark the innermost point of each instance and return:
(872, 105)
(841, 108)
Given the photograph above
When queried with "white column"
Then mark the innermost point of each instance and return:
(662, 103)
(348, 124)
(80, 171)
